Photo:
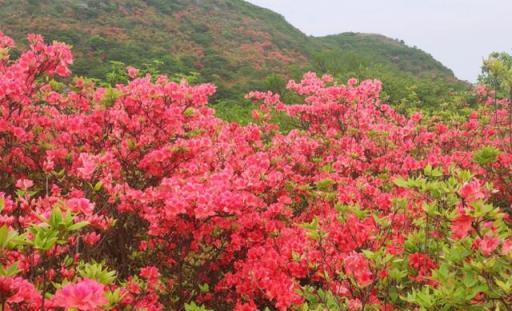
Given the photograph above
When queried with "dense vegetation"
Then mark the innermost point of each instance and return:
(136, 197)
(236, 45)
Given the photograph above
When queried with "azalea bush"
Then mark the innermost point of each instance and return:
(137, 197)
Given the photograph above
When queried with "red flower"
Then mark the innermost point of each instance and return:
(423, 266)
(7, 288)
(246, 306)
(357, 265)
(149, 273)
(461, 226)
(91, 238)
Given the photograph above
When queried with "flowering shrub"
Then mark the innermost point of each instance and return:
(137, 197)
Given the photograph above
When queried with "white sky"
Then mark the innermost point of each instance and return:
(459, 33)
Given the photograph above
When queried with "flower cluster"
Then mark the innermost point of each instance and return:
(138, 197)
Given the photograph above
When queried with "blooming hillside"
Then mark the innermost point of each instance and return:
(237, 45)
(137, 197)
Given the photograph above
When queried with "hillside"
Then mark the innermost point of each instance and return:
(234, 44)
(383, 50)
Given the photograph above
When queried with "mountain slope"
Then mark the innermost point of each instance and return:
(380, 49)
(229, 42)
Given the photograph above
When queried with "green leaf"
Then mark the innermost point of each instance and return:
(45, 238)
(12, 270)
(4, 232)
(55, 218)
(313, 225)
(427, 170)
(314, 235)
(325, 184)
(193, 307)
(189, 112)
(8, 238)
(96, 271)
(469, 279)
(397, 274)
(98, 186)
(204, 288)
(401, 182)
(486, 155)
(505, 286)
(437, 172)
(78, 226)
(110, 97)
(113, 297)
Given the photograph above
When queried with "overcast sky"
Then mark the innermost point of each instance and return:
(459, 33)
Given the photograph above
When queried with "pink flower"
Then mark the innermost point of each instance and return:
(62, 71)
(355, 304)
(5, 41)
(49, 164)
(88, 166)
(24, 183)
(471, 191)
(25, 293)
(488, 244)
(507, 247)
(416, 117)
(85, 295)
(132, 72)
(81, 205)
